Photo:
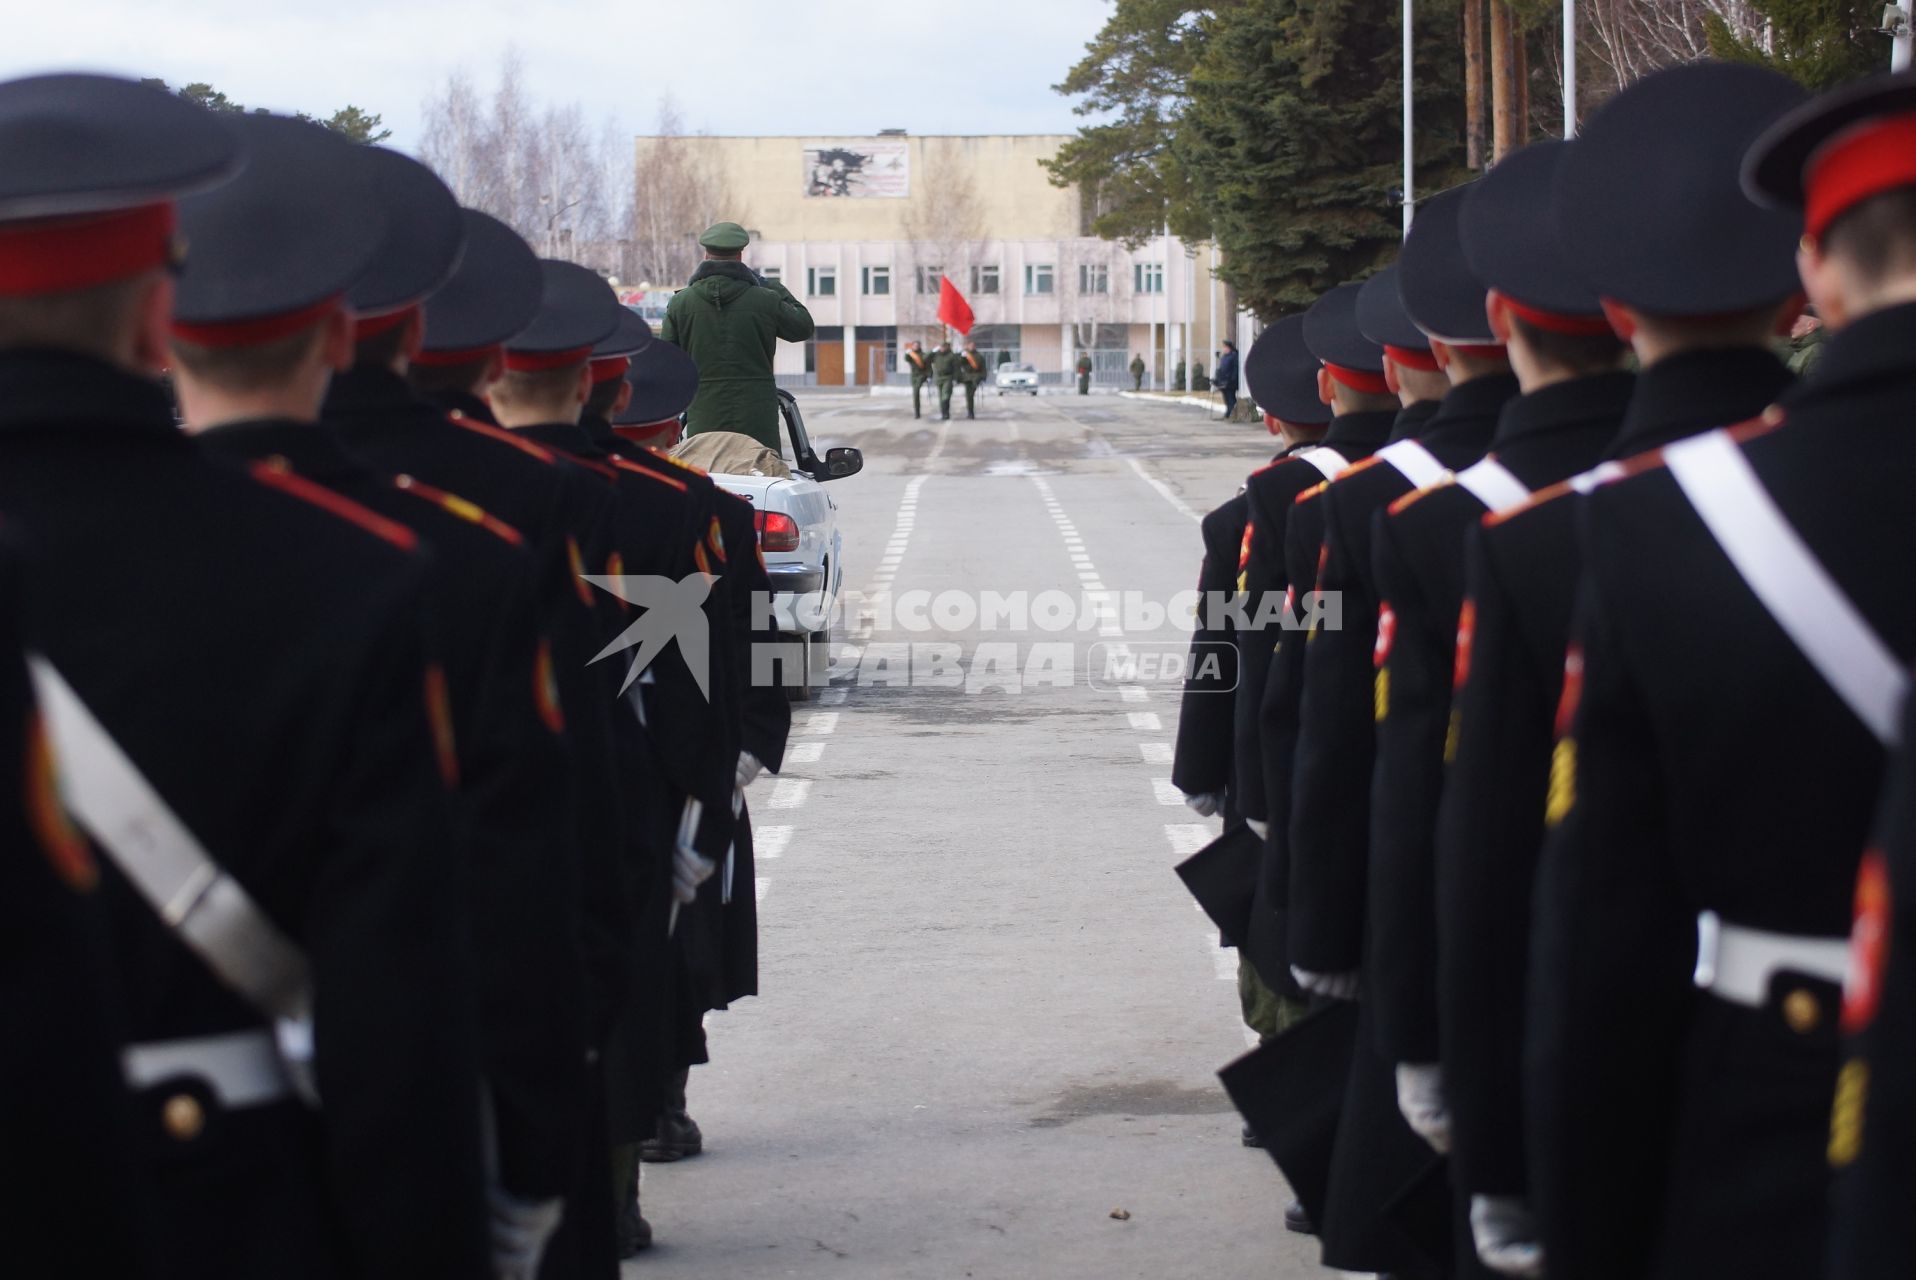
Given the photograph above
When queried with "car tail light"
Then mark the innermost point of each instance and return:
(776, 531)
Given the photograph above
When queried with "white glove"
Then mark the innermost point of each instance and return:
(520, 1231)
(1420, 1096)
(690, 869)
(1206, 804)
(1263, 829)
(748, 768)
(1506, 1235)
(1338, 986)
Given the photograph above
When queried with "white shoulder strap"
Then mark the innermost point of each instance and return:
(205, 908)
(1491, 483)
(1414, 462)
(1595, 478)
(1782, 571)
(1329, 462)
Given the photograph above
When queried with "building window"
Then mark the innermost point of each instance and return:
(821, 282)
(984, 280)
(772, 273)
(1094, 278)
(928, 278)
(875, 282)
(1149, 277)
(1040, 278)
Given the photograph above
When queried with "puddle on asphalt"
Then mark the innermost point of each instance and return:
(1142, 1098)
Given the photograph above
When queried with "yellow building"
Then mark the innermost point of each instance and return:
(862, 229)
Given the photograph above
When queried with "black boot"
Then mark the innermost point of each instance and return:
(677, 1134)
(1295, 1219)
(634, 1232)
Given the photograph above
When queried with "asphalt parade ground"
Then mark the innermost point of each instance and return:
(991, 1016)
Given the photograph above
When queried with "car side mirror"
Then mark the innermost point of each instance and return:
(843, 462)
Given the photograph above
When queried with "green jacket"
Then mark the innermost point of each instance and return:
(729, 321)
(919, 362)
(944, 364)
(968, 372)
(1137, 366)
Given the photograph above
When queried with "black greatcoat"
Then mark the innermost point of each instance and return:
(513, 791)
(1201, 764)
(70, 1203)
(1671, 1132)
(1873, 1128)
(259, 659)
(1520, 581)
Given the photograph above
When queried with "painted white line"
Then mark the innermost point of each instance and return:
(834, 697)
(1145, 721)
(770, 842)
(1187, 837)
(790, 793)
(1164, 490)
(1133, 693)
(1165, 792)
(1155, 752)
(804, 753)
(820, 722)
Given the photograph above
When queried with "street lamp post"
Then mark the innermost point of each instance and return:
(1901, 39)
(1569, 68)
(1410, 118)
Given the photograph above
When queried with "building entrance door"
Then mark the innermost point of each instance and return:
(831, 363)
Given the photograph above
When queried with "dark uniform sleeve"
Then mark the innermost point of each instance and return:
(1330, 794)
(1202, 764)
(390, 945)
(1412, 708)
(1611, 962)
(519, 795)
(794, 321)
(1283, 692)
(1489, 832)
(1262, 580)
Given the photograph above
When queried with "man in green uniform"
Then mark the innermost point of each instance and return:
(944, 367)
(920, 366)
(1084, 373)
(971, 372)
(729, 320)
(1137, 373)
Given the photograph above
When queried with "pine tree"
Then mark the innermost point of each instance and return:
(1293, 142)
(1821, 43)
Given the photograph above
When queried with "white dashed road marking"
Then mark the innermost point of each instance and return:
(790, 793)
(770, 842)
(804, 752)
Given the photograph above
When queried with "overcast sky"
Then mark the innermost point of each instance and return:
(733, 66)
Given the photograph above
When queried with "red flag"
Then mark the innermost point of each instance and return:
(952, 307)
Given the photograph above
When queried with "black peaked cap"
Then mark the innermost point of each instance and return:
(576, 309)
(1773, 170)
(424, 233)
(1443, 296)
(1653, 212)
(492, 295)
(1381, 316)
(663, 379)
(299, 225)
(1282, 374)
(1510, 234)
(1332, 333)
(631, 337)
(90, 144)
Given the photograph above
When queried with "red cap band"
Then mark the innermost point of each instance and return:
(1411, 358)
(59, 255)
(539, 361)
(1557, 322)
(1862, 162)
(1358, 380)
(250, 333)
(652, 435)
(456, 355)
(1482, 351)
(372, 326)
(610, 368)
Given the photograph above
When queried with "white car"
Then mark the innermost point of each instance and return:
(798, 536)
(1017, 377)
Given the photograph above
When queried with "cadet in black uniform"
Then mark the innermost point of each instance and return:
(245, 721)
(1657, 222)
(1696, 888)
(494, 294)
(506, 756)
(1873, 1122)
(70, 1200)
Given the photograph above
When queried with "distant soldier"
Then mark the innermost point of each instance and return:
(1137, 373)
(1084, 374)
(919, 366)
(1226, 376)
(971, 372)
(944, 367)
(729, 319)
